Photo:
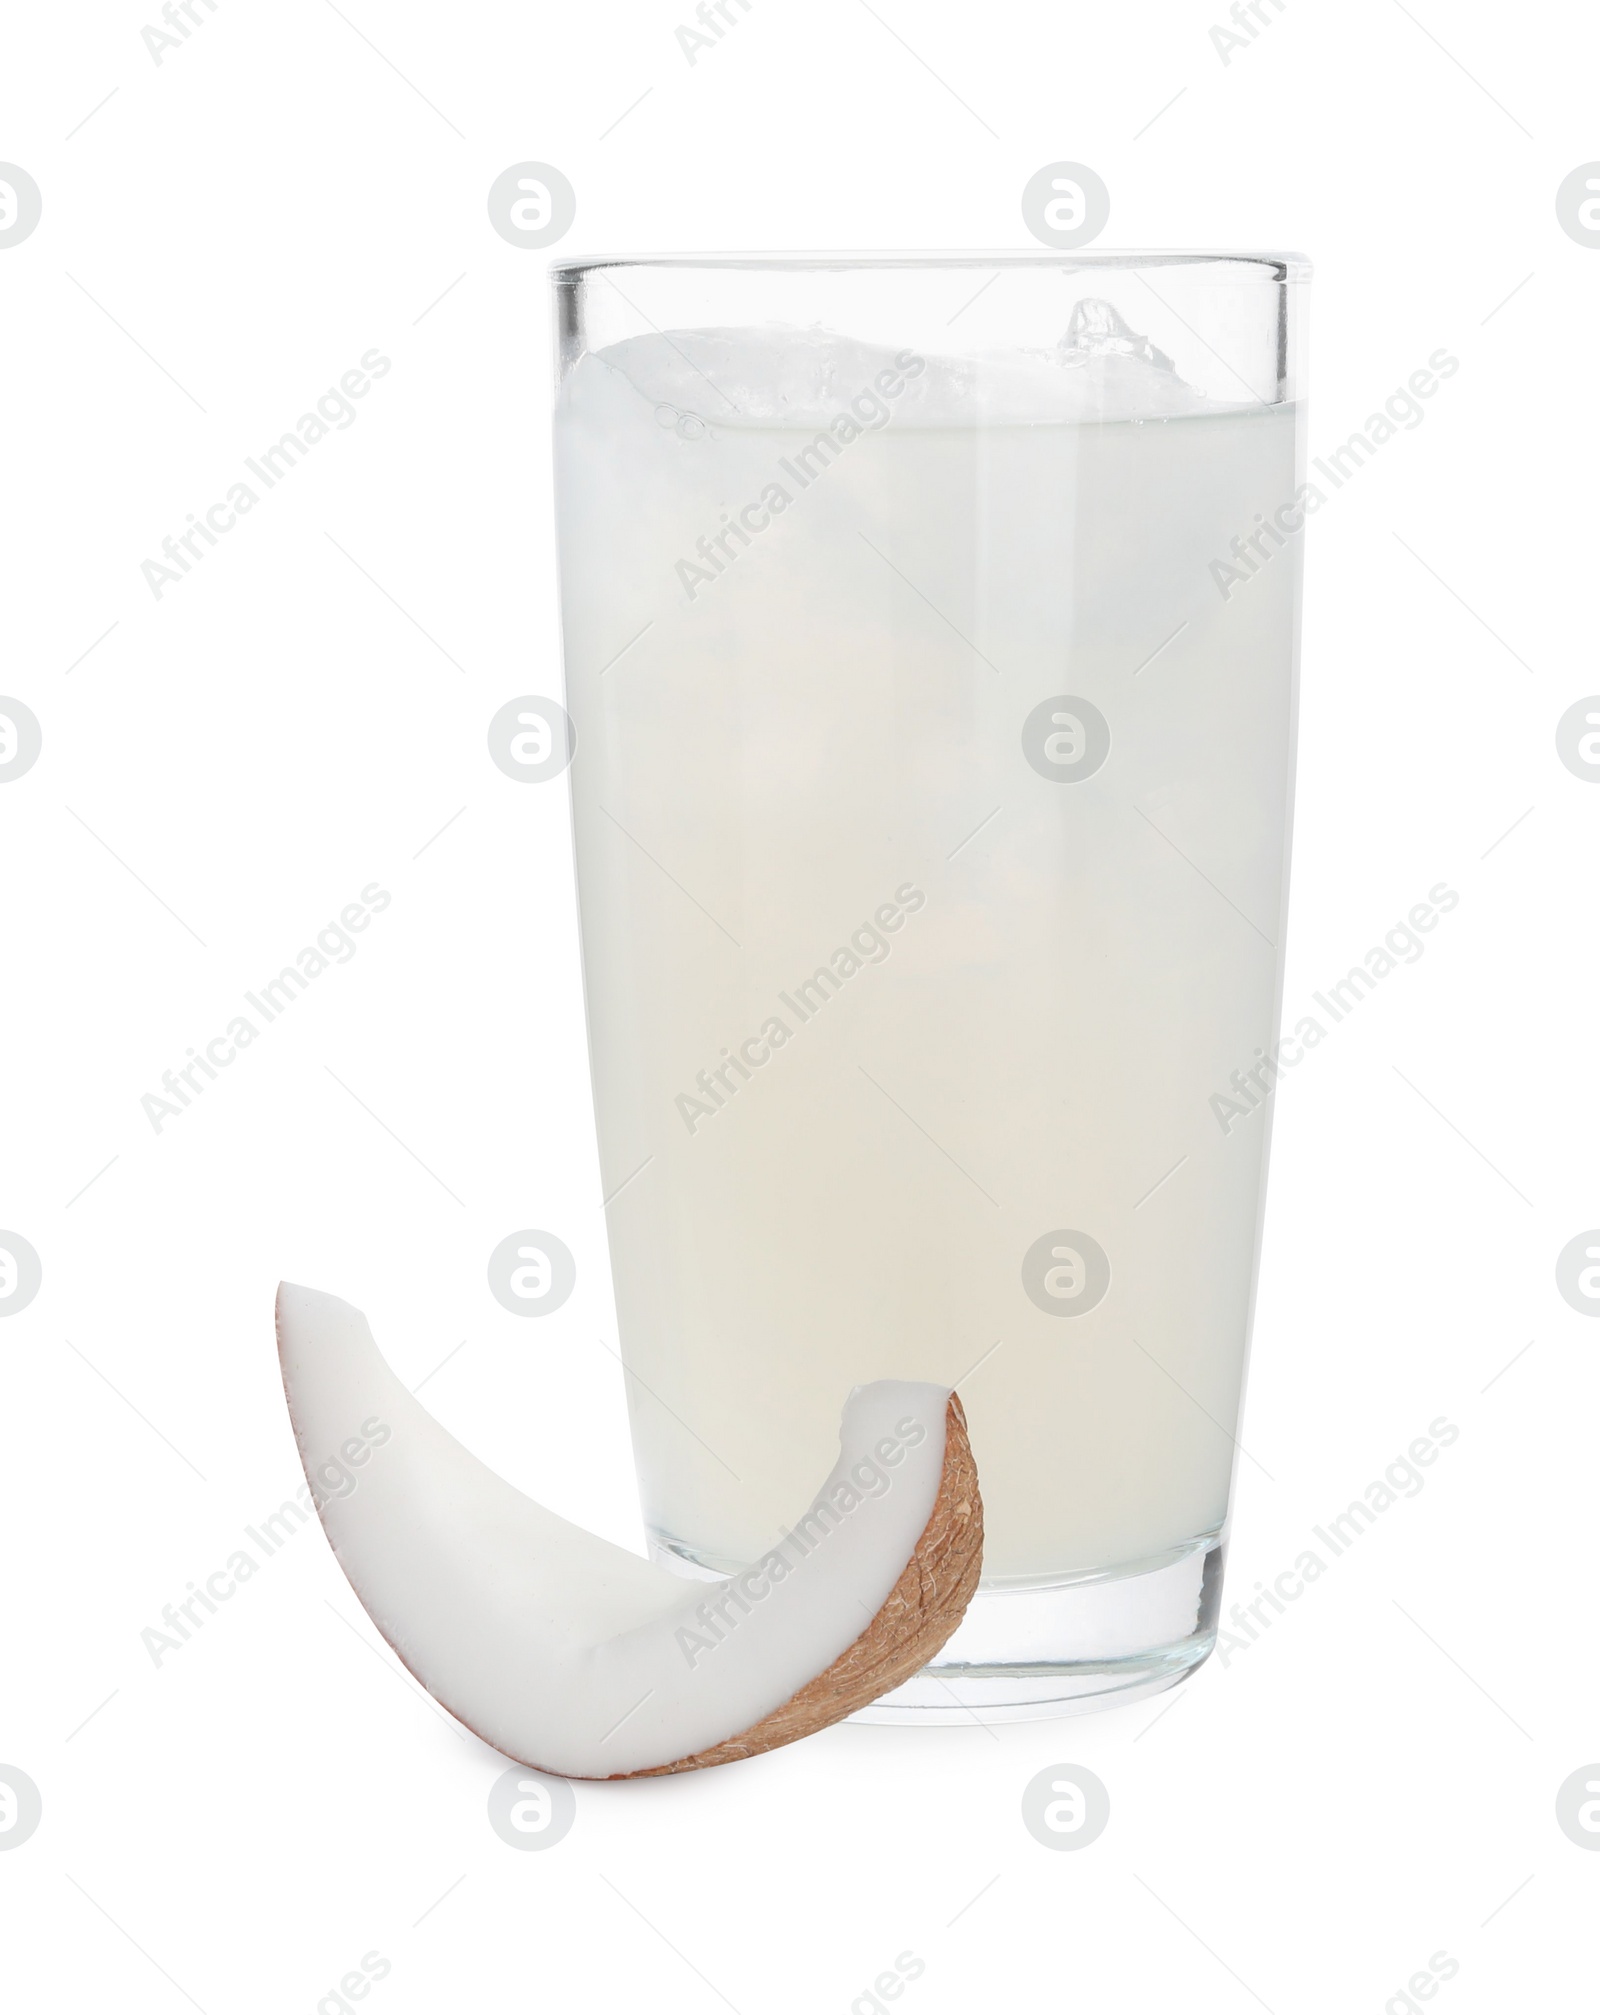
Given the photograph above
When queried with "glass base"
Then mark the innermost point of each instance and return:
(1033, 1652)
(1068, 1647)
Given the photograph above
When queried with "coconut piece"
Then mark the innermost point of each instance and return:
(576, 1657)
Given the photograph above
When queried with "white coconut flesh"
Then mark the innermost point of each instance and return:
(574, 1656)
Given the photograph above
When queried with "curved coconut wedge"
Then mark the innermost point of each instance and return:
(576, 1657)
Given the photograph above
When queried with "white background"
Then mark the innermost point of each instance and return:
(224, 769)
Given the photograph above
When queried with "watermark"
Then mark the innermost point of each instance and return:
(1578, 1272)
(1253, 1085)
(1422, 1986)
(720, 1618)
(867, 412)
(21, 1807)
(334, 944)
(531, 1273)
(889, 1986)
(335, 1476)
(1066, 739)
(21, 1272)
(1245, 16)
(1577, 205)
(1402, 1477)
(1066, 1273)
(1065, 204)
(335, 412)
(532, 204)
(1403, 412)
(21, 739)
(1577, 737)
(868, 945)
(21, 205)
(355, 1986)
(1251, 550)
(531, 1812)
(1578, 1808)
(182, 18)
(1066, 1807)
(711, 14)
(532, 739)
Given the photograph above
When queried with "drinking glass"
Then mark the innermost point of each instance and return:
(930, 629)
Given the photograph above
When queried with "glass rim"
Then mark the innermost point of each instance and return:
(1263, 268)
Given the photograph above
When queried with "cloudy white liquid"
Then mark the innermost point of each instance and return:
(824, 736)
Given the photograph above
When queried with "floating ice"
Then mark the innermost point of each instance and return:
(695, 380)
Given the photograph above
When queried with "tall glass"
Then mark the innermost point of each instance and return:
(931, 632)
